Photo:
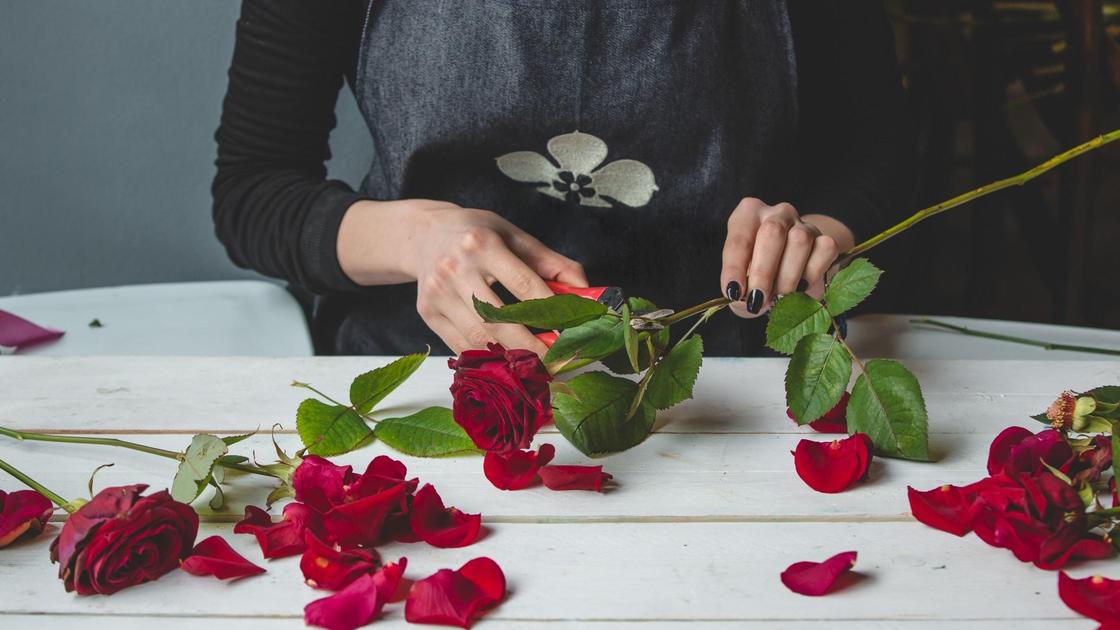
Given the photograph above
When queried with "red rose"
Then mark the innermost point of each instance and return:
(501, 397)
(1016, 449)
(120, 539)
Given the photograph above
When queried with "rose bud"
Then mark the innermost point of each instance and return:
(23, 513)
(501, 397)
(120, 539)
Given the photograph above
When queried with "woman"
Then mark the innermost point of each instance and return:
(623, 142)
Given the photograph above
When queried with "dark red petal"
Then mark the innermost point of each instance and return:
(391, 585)
(22, 513)
(945, 508)
(456, 598)
(833, 466)
(362, 521)
(1051, 557)
(353, 607)
(516, 470)
(816, 578)
(383, 472)
(439, 526)
(284, 537)
(835, 420)
(574, 477)
(1095, 597)
(215, 557)
(319, 483)
(1000, 449)
(329, 568)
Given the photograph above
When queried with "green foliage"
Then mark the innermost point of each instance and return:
(372, 387)
(196, 468)
(555, 312)
(590, 412)
(591, 340)
(851, 286)
(630, 338)
(430, 432)
(619, 362)
(673, 378)
(230, 440)
(887, 405)
(330, 429)
(817, 376)
(793, 317)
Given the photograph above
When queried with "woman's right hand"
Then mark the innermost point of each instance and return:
(452, 253)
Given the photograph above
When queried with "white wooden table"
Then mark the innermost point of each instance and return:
(705, 515)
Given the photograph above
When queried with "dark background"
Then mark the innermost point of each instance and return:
(107, 112)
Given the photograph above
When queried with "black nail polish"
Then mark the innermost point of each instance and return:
(734, 290)
(754, 300)
(802, 284)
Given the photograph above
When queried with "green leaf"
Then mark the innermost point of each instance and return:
(887, 405)
(591, 340)
(196, 467)
(619, 362)
(330, 429)
(230, 440)
(372, 387)
(555, 312)
(630, 338)
(1109, 394)
(1116, 453)
(232, 459)
(591, 414)
(218, 501)
(673, 378)
(851, 286)
(793, 317)
(817, 376)
(430, 432)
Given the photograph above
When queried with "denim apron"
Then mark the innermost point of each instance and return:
(621, 133)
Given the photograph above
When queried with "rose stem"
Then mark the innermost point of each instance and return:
(151, 450)
(693, 310)
(1023, 340)
(36, 486)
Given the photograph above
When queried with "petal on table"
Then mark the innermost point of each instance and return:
(440, 526)
(816, 578)
(215, 557)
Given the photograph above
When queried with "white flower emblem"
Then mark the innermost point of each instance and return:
(573, 176)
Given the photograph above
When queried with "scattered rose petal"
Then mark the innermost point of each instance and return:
(331, 568)
(1095, 597)
(456, 598)
(1017, 450)
(816, 578)
(215, 557)
(362, 522)
(353, 607)
(439, 526)
(17, 332)
(574, 477)
(833, 466)
(834, 420)
(945, 508)
(516, 470)
(284, 537)
(391, 585)
(22, 513)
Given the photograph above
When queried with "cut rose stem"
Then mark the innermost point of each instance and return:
(1046, 345)
(36, 486)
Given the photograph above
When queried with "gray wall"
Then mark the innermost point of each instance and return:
(107, 117)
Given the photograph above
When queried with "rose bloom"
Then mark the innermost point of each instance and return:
(501, 397)
(120, 539)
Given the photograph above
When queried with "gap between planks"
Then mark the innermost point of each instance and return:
(549, 519)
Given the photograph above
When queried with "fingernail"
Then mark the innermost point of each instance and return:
(802, 284)
(734, 291)
(754, 301)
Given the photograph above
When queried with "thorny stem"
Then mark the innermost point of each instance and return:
(1046, 345)
(693, 310)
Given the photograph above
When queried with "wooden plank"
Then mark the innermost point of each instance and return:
(674, 476)
(607, 572)
(235, 394)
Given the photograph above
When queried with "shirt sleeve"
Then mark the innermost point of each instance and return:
(856, 144)
(274, 209)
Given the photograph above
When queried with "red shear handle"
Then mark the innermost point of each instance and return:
(591, 293)
(548, 338)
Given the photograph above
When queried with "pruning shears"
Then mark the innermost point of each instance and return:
(613, 298)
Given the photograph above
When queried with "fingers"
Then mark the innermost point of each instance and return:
(509, 335)
(448, 333)
(799, 246)
(825, 251)
(545, 262)
(515, 275)
(739, 246)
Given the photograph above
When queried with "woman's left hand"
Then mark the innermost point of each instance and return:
(772, 250)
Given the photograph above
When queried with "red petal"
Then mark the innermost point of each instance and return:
(361, 522)
(574, 477)
(1000, 450)
(284, 537)
(1095, 597)
(816, 578)
(215, 557)
(945, 508)
(391, 585)
(17, 332)
(833, 466)
(332, 569)
(439, 526)
(516, 470)
(353, 607)
(319, 483)
(456, 598)
(835, 420)
(22, 513)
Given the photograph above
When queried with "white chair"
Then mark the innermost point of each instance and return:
(236, 317)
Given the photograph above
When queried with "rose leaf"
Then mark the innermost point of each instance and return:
(887, 405)
(372, 387)
(793, 317)
(817, 376)
(851, 286)
(330, 429)
(673, 378)
(591, 340)
(430, 432)
(196, 467)
(591, 414)
(630, 338)
(553, 313)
